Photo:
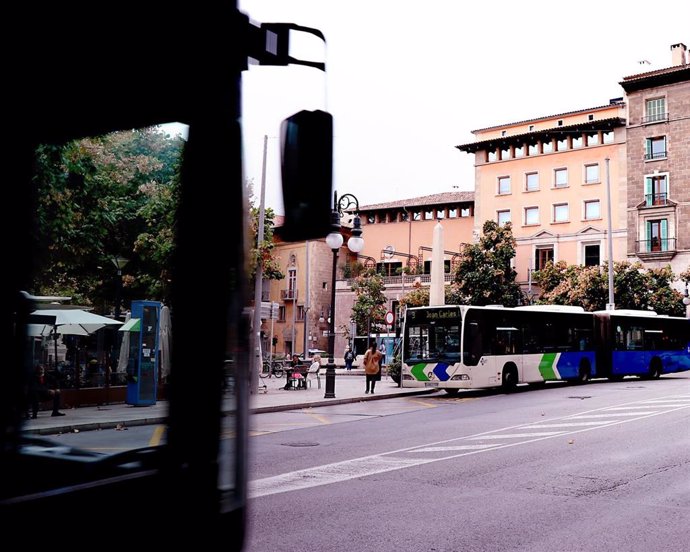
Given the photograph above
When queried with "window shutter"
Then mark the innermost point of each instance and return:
(648, 195)
(664, 235)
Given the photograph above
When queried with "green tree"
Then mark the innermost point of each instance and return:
(264, 252)
(369, 309)
(484, 274)
(587, 286)
(98, 198)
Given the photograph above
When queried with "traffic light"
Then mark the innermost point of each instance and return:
(307, 174)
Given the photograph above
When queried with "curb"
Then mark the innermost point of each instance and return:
(330, 402)
(94, 426)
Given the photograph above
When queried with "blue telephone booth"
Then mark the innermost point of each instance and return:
(142, 365)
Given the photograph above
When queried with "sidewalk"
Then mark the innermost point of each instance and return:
(349, 387)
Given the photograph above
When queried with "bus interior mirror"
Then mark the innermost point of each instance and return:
(306, 141)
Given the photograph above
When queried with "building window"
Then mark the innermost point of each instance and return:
(491, 156)
(592, 255)
(371, 218)
(542, 256)
(560, 122)
(429, 215)
(577, 142)
(440, 213)
(300, 313)
(403, 216)
(655, 148)
(655, 110)
(503, 133)
(592, 173)
(503, 217)
(465, 212)
(533, 149)
(503, 185)
(531, 182)
(281, 313)
(505, 153)
(562, 144)
(531, 215)
(657, 235)
(590, 117)
(560, 178)
(547, 147)
(656, 190)
(530, 128)
(453, 212)
(417, 215)
(520, 151)
(292, 282)
(592, 209)
(561, 212)
(593, 139)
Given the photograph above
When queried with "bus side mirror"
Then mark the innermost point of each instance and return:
(306, 140)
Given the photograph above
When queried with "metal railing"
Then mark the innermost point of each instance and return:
(655, 118)
(655, 155)
(656, 199)
(654, 245)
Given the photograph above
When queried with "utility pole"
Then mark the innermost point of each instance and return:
(611, 305)
(258, 282)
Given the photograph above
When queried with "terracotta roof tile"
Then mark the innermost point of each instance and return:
(434, 199)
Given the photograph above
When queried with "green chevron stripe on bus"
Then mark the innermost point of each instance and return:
(418, 371)
(546, 366)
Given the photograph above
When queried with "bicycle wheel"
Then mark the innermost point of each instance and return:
(265, 370)
(278, 370)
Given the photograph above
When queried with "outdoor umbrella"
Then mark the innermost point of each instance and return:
(123, 357)
(72, 322)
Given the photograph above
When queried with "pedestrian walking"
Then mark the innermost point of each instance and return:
(372, 367)
(349, 358)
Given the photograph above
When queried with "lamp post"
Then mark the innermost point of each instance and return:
(119, 263)
(686, 301)
(334, 240)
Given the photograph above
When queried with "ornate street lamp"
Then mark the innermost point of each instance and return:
(334, 240)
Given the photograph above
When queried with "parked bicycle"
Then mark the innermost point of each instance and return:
(275, 368)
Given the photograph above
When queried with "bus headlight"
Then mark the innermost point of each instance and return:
(461, 377)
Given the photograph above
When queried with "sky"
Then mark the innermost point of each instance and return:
(408, 81)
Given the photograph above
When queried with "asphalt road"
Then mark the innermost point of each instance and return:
(598, 467)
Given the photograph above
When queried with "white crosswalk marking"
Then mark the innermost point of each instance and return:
(458, 447)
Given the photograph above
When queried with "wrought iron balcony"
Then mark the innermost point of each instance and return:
(655, 155)
(657, 199)
(656, 245)
(655, 118)
(288, 294)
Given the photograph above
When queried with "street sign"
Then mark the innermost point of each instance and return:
(390, 318)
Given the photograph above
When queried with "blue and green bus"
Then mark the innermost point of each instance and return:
(455, 347)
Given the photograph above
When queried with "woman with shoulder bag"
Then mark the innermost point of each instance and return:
(372, 367)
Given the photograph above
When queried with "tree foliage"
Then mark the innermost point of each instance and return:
(484, 274)
(587, 286)
(99, 198)
(369, 309)
(264, 253)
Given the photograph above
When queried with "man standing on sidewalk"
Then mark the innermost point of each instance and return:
(349, 358)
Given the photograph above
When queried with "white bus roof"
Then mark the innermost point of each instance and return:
(628, 312)
(551, 308)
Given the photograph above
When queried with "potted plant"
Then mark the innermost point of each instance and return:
(394, 369)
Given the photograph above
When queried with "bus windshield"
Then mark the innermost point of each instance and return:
(433, 335)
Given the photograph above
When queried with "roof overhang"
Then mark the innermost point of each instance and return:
(537, 135)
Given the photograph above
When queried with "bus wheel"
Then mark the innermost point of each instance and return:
(452, 392)
(509, 379)
(655, 369)
(583, 373)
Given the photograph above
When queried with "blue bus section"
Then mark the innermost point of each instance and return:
(642, 343)
(568, 364)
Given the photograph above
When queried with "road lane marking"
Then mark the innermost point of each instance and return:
(394, 460)
(570, 424)
(612, 414)
(517, 435)
(319, 417)
(157, 436)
